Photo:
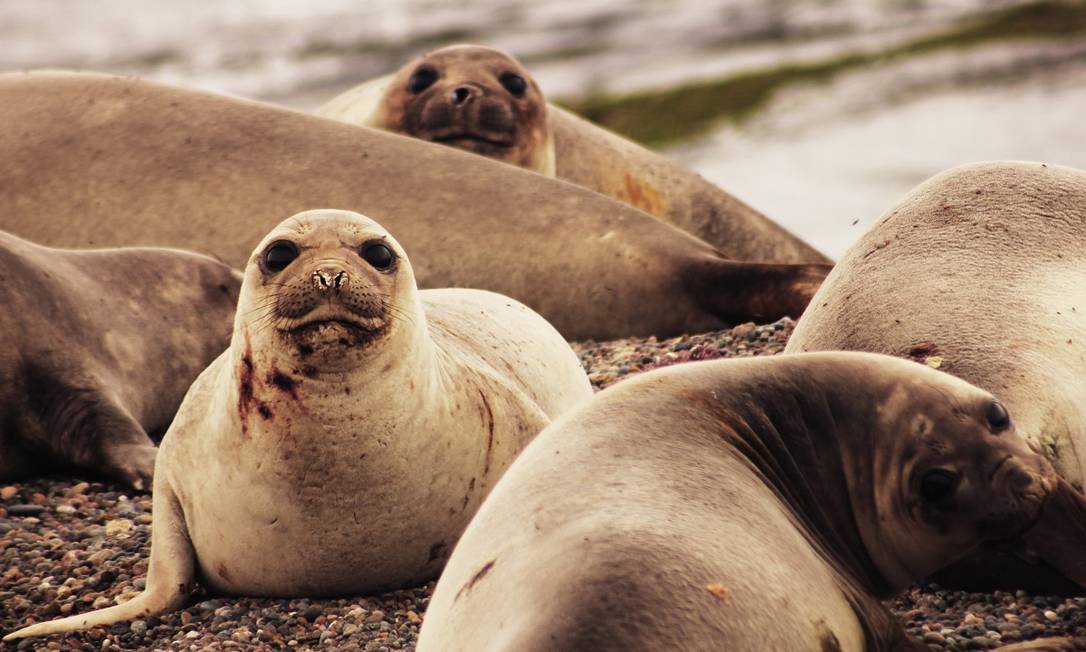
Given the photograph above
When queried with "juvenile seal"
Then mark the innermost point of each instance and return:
(980, 270)
(91, 164)
(99, 349)
(343, 441)
(757, 504)
(483, 100)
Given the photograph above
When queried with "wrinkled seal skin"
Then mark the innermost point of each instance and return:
(99, 349)
(343, 441)
(555, 142)
(982, 267)
(758, 504)
(92, 164)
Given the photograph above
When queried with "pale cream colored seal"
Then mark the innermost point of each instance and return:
(754, 504)
(99, 349)
(483, 100)
(343, 441)
(981, 272)
(91, 164)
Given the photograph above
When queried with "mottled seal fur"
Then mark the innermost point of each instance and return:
(99, 349)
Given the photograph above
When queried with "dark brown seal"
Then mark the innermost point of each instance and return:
(99, 348)
(758, 504)
(118, 161)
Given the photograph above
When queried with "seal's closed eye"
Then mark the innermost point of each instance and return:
(938, 487)
(279, 255)
(423, 78)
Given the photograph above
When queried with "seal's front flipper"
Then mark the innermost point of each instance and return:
(737, 291)
(169, 578)
(1058, 537)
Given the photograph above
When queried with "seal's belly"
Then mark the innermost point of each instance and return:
(333, 536)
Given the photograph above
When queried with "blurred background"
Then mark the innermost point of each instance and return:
(820, 113)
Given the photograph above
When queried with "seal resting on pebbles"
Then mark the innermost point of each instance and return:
(482, 100)
(343, 441)
(981, 272)
(99, 349)
(752, 504)
(92, 164)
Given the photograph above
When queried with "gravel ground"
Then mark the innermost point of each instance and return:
(68, 545)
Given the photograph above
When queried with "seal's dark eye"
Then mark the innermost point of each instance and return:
(422, 79)
(378, 255)
(998, 419)
(279, 255)
(513, 83)
(938, 487)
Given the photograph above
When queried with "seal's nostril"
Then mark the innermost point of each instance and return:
(461, 94)
(340, 280)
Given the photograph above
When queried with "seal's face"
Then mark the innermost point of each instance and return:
(325, 281)
(474, 98)
(957, 474)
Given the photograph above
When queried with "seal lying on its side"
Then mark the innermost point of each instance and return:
(758, 504)
(981, 271)
(92, 163)
(99, 349)
(343, 441)
(482, 100)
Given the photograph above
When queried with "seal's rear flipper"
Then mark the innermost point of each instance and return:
(737, 291)
(169, 578)
(1059, 535)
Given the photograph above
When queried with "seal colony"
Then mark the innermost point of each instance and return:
(484, 101)
(343, 441)
(91, 164)
(100, 348)
(711, 493)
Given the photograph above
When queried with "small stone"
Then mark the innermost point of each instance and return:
(935, 638)
(64, 509)
(375, 617)
(100, 557)
(118, 527)
(138, 627)
(413, 617)
(25, 510)
(101, 602)
(311, 613)
(7, 493)
(1051, 615)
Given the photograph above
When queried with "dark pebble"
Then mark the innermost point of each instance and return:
(25, 510)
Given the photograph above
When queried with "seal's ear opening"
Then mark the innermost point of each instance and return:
(1058, 537)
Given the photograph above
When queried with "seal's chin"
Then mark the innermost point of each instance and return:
(335, 332)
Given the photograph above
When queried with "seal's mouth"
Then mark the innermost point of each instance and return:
(336, 331)
(468, 139)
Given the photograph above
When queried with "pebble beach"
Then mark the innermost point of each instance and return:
(71, 544)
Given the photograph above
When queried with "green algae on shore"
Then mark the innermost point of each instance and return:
(657, 117)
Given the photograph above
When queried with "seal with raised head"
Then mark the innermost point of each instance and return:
(753, 504)
(483, 100)
(980, 271)
(99, 349)
(343, 441)
(91, 164)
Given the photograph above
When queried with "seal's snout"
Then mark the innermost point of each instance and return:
(330, 279)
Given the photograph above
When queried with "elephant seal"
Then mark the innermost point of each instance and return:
(482, 100)
(99, 349)
(92, 164)
(750, 504)
(980, 270)
(343, 441)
